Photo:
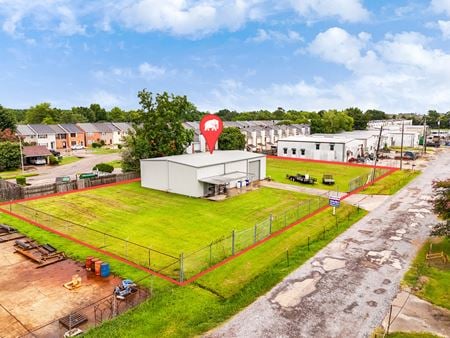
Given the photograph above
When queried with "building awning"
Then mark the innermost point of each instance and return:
(226, 178)
(35, 151)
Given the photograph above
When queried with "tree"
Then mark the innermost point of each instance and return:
(231, 139)
(9, 156)
(159, 130)
(99, 112)
(7, 120)
(441, 229)
(441, 201)
(8, 135)
(117, 115)
(359, 119)
(374, 114)
(38, 113)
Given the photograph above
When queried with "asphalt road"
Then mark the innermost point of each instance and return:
(346, 289)
(47, 174)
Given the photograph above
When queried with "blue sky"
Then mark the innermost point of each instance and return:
(236, 54)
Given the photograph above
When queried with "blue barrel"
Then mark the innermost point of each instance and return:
(104, 270)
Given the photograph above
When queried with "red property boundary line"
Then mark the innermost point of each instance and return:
(213, 267)
(328, 162)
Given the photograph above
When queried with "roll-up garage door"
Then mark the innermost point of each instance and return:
(254, 169)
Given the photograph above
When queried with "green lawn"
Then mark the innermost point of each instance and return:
(277, 169)
(436, 290)
(192, 310)
(392, 183)
(411, 335)
(69, 159)
(102, 151)
(167, 222)
(12, 174)
(115, 163)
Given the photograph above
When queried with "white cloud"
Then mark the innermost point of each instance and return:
(52, 15)
(345, 10)
(105, 99)
(188, 18)
(444, 26)
(441, 6)
(399, 73)
(263, 35)
(148, 70)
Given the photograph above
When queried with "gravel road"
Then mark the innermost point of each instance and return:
(346, 289)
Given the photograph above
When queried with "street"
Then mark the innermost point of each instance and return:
(347, 288)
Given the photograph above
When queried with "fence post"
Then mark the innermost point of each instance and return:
(389, 320)
(318, 202)
(149, 252)
(181, 267)
(287, 256)
(323, 236)
(254, 233)
(308, 243)
(210, 254)
(309, 206)
(232, 242)
(270, 224)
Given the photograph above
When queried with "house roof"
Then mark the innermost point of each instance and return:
(122, 126)
(23, 129)
(71, 128)
(42, 128)
(88, 127)
(57, 129)
(106, 127)
(316, 139)
(199, 160)
(32, 151)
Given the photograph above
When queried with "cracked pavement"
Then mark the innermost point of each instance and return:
(347, 288)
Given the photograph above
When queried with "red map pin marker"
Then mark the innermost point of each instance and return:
(211, 127)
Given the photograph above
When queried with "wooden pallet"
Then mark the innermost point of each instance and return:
(10, 237)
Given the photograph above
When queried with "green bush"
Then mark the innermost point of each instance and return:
(21, 180)
(102, 142)
(104, 167)
(96, 145)
(9, 156)
(119, 146)
(53, 160)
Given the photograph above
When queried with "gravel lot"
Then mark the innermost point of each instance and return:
(346, 289)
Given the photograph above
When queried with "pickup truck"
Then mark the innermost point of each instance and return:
(306, 179)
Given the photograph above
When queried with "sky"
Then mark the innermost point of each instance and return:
(234, 54)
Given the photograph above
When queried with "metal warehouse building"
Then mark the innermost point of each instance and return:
(202, 174)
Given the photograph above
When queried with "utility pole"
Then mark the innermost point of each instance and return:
(424, 135)
(439, 131)
(21, 154)
(376, 153)
(401, 146)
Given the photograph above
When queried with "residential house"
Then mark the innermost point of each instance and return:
(27, 134)
(60, 136)
(46, 136)
(91, 133)
(74, 134)
(123, 131)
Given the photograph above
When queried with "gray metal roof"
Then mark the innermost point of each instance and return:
(42, 128)
(226, 178)
(105, 127)
(316, 139)
(199, 160)
(24, 130)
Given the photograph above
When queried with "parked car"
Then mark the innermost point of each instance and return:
(77, 147)
(328, 179)
(55, 152)
(38, 161)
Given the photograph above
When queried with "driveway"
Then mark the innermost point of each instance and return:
(48, 174)
(346, 289)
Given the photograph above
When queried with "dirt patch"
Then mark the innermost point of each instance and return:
(33, 299)
(394, 206)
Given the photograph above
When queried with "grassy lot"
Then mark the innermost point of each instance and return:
(192, 310)
(102, 151)
(436, 289)
(277, 169)
(167, 222)
(69, 159)
(392, 183)
(115, 163)
(411, 335)
(12, 174)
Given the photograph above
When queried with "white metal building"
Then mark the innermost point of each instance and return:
(202, 174)
(320, 147)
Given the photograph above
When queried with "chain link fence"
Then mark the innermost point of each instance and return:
(359, 181)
